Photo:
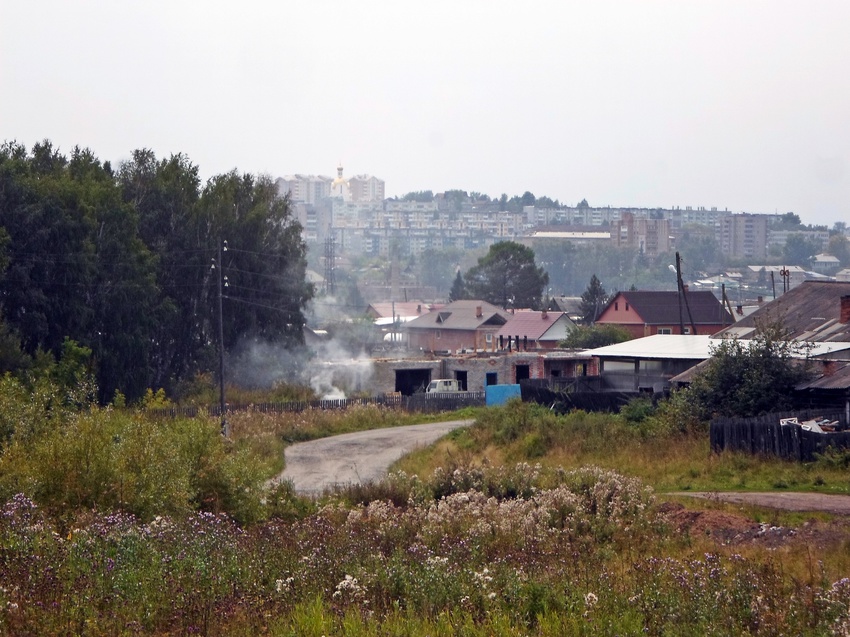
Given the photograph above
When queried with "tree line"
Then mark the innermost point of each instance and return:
(125, 263)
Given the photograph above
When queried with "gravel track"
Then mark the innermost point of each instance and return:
(785, 500)
(365, 456)
(360, 457)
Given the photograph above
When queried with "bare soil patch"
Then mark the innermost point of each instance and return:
(733, 529)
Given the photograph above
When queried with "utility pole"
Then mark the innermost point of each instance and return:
(222, 283)
(678, 271)
(683, 296)
(330, 266)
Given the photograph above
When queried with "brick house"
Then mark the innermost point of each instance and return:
(461, 325)
(644, 313)
(527, 329)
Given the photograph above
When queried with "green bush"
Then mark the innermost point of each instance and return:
(120, 460)
(637, 410)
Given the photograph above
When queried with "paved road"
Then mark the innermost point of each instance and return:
(358, 457)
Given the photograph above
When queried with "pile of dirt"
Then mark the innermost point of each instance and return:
(731, 529)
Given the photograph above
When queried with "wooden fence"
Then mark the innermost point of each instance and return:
(563, 399)
(765, 435)
(433, 402)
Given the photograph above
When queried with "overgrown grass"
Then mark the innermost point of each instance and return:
(203, 390)
(475, 551)
(527, 523)
(665, 457)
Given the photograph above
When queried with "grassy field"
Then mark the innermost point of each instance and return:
(526, 523)
(664, 458)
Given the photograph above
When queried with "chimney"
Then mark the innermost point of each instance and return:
(544, 315)
(739, 309)
(684, 287)
(478, 312)
(845, 309)
(419, 309)
(760, 300)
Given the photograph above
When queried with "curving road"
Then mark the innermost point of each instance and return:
(365, 456)
(359, 457)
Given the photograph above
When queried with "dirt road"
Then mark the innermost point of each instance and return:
(358, 457)
(786, 500)
(365, 456)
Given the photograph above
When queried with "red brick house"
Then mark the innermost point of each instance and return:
(534, 330)
(644, 313)
(461, 325)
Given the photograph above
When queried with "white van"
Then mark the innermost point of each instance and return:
(443, 385)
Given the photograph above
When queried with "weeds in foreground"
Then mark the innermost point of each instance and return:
(504, 551)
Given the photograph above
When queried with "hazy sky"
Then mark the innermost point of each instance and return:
(737, 104)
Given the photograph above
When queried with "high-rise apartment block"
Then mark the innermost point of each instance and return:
(742, 236)
(649, 236)
(312, 189)
(356, 212)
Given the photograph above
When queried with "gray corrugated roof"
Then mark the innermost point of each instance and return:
(461, 315)
(809, 311)
(833, 375)
(688, 346)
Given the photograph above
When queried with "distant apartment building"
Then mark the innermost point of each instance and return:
(586, 216)
(679, 218)
(312, 189)
(536, 217)
(309, 189)
(778, 237)
(649, 236)
(366, 188)
(742, 236)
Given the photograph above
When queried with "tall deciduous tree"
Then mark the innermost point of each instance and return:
(507, 276)
(121, 263)
(590, 336)
(799, 250)
(839, 247)
(437, 267)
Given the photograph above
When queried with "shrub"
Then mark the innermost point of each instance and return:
(637, 410)
(119, 460)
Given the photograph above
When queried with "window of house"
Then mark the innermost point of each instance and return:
(488, 338)
(438, 334)
(627, 307)
(665, 330)
(616, 306)
(687, 330)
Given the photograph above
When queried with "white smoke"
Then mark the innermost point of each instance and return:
(337, 378)
(333, 368)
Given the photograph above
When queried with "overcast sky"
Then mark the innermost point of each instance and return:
(736, 104)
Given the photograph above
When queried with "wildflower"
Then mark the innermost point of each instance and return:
(590, 600)
(282, 585)
(350, 588)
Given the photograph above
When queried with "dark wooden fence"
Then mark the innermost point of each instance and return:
(764, 435)
(563, 399)
(417, 403)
